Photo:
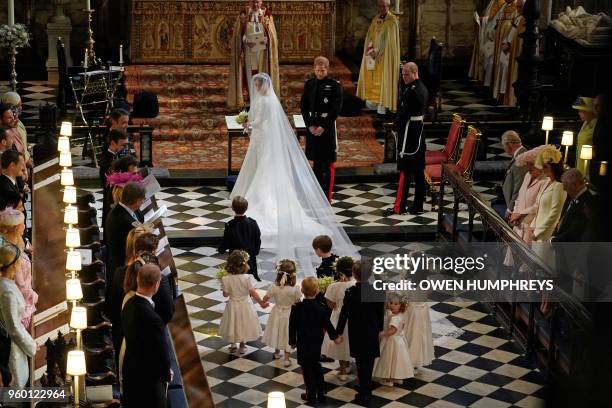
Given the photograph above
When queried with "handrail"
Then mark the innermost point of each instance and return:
(573, 307)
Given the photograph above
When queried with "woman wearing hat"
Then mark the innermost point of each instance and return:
(586, 109)
(12, 307)
(11, 228)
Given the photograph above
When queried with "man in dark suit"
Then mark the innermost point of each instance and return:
(119, 224)
(320, 105)
(308, 323)
(410, 141)
(11, 182)
(146, 365)
(116, 143)
(242, 233)
(364, 309)
(511, 141)
(571, 228)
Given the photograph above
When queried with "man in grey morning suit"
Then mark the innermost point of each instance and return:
(511, 142)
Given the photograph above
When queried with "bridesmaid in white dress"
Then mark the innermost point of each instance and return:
(394, 363)
(285, 294)
(239, 322)
(418, 333)
(335, 299)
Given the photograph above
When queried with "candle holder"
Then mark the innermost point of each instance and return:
(91, 54)
(13, 62)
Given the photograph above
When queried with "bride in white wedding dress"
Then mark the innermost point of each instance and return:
(284, 195)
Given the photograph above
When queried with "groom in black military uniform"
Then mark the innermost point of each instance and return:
(410, 141)
(320, 105)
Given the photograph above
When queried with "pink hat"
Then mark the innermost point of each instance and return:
(528, 157)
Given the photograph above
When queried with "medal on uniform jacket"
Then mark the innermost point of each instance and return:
(325, 100)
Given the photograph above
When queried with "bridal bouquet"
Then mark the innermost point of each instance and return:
(16, 36)
(242, 118)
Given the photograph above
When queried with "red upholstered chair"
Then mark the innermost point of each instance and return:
(453, 140)
(465, 164)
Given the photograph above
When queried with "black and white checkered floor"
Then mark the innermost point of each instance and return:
(480, 368)
(355, 205)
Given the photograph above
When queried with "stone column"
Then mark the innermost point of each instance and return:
(59, 26)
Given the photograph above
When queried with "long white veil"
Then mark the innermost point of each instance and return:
(283, 193)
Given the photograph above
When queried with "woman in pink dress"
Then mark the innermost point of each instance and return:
(526, 204)
(11, 227)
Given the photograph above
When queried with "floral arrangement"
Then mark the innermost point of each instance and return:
(222, 272)
(120, 179)
(324, 283)
(242, 118)
(16, 36)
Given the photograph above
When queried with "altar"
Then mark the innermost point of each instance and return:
(193, 31)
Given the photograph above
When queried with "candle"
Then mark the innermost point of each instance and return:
(397, 6)
(85, 59)
(11, 12)
(603, 168)
(121, 54)
(88, 5)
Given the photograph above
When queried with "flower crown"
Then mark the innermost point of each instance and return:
(245, 255)
(280, 263)
(121, 178)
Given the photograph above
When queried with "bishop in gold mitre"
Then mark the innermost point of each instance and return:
(254, 49)
(379, 73)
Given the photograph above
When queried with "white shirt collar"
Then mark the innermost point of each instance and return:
(516, 152)
(581, 192)
(10, 178)
(129, 210)
(150, 300)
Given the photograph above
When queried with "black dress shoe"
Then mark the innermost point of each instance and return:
(361, 399)
(416, 210)
(390, 211)
(321, 399)
(305, 397)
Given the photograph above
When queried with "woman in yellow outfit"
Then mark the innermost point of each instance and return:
(586, 111)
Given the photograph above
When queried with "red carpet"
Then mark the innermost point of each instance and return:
(190, 128)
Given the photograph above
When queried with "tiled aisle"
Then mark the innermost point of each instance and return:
(356, 205)
(480, 368)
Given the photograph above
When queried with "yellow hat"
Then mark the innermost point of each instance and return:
(584, 103)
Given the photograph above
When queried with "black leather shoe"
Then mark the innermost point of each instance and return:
(416, 210)
(305, 397)
(390, 211)
(361, 399)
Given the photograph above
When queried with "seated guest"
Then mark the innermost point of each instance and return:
(11, 182)
(12, 226)
(13, 100)
(6, 141)
(515, 174)
(586, 110)
(12, 307)
(549, 203)
(243, 233)
(322, 246)
(118, 225)
(146, 367)
(525, 205)
(117, 140)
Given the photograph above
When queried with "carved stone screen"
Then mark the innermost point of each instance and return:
(200, 31)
